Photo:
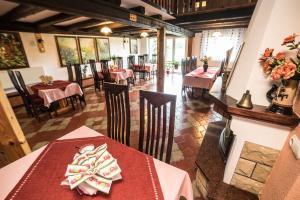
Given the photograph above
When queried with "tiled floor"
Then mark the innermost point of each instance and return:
(192, 117)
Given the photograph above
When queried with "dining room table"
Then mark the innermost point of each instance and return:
(198, 78)
(55, 91)
(119, 75)
(39, 174)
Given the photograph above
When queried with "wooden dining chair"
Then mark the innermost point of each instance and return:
(70, 70)
(154, 116)
(16, 85)
(78, 75)
(118, 112)
(98, 81)
(104, 64)
(131, 62)
(119, 62)
(35, 103)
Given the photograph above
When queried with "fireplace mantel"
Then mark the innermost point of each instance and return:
(226, 105)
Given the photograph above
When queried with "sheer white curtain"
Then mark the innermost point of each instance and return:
(216, 46)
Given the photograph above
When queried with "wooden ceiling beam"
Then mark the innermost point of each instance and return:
(20, 12)
(222, 14)
(139, 9)
(98, 9)
(218, 24)
(61, 17)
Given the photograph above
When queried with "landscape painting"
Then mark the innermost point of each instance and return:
(87, 49)
(67, 50)
(12, 54)
(103, 48)
(133, 46)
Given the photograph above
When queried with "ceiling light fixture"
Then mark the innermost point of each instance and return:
(105, 30)
(217, 34)
(144, 34)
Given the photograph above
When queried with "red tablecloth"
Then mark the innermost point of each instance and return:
(55, 85)
(200, 79)
(43, 178)
(56, 91)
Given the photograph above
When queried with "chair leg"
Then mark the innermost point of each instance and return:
(72, 103)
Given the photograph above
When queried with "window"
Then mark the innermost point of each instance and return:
(152, 46)
(215, 47)
(169, 50)
(179, 49)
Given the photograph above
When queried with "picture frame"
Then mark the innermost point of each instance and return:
(234, 64)
(87, 46)
(103, 48)
(68, 51)
(133, 46)
(12, 53)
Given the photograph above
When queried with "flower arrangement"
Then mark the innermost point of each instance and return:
(205, 60)
(280, 67)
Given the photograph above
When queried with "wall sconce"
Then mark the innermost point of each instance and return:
(40, 42)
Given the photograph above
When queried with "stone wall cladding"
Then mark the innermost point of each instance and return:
(254, 166)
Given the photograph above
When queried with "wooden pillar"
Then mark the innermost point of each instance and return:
(13, 144)
(161, 40)
(190, 47)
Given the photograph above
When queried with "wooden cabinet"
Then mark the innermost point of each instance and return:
(13, 144)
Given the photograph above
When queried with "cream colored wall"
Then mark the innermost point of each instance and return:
(48, 62)
(271, 22)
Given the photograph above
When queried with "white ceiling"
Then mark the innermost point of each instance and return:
(73, 21)
(38, 16)
(150, 10)
(6, 6)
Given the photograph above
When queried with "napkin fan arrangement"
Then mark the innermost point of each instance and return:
(92, 170)
(46, 79)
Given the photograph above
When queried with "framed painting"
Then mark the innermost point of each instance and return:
(67, 49)
(103, 48)
(133, 46)
(87, 49)
(12, 54)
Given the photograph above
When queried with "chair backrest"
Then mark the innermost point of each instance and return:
(146, 58)
(131, 61)
(78, 74)
(106, 75)
(94, 70)
(24, 96)
(141, 60)
(155, 125)
(21, 82)
(154, 58)
(104, 64)
(183, 67)
(14, 81)
(118, 112)
(119, 62)
(194, 63)
(71, 72)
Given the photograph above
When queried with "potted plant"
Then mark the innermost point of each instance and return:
(168, 69)
(284, 72)
(176, 64)
(205, 63)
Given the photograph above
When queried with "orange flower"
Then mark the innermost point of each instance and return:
(268, 52)
(285, 71)
(280, 56)
(266, 67)
(289, 39)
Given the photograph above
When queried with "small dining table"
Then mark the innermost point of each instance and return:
(120, 74)
(55, 91)
(173, 182)
(200, 79)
